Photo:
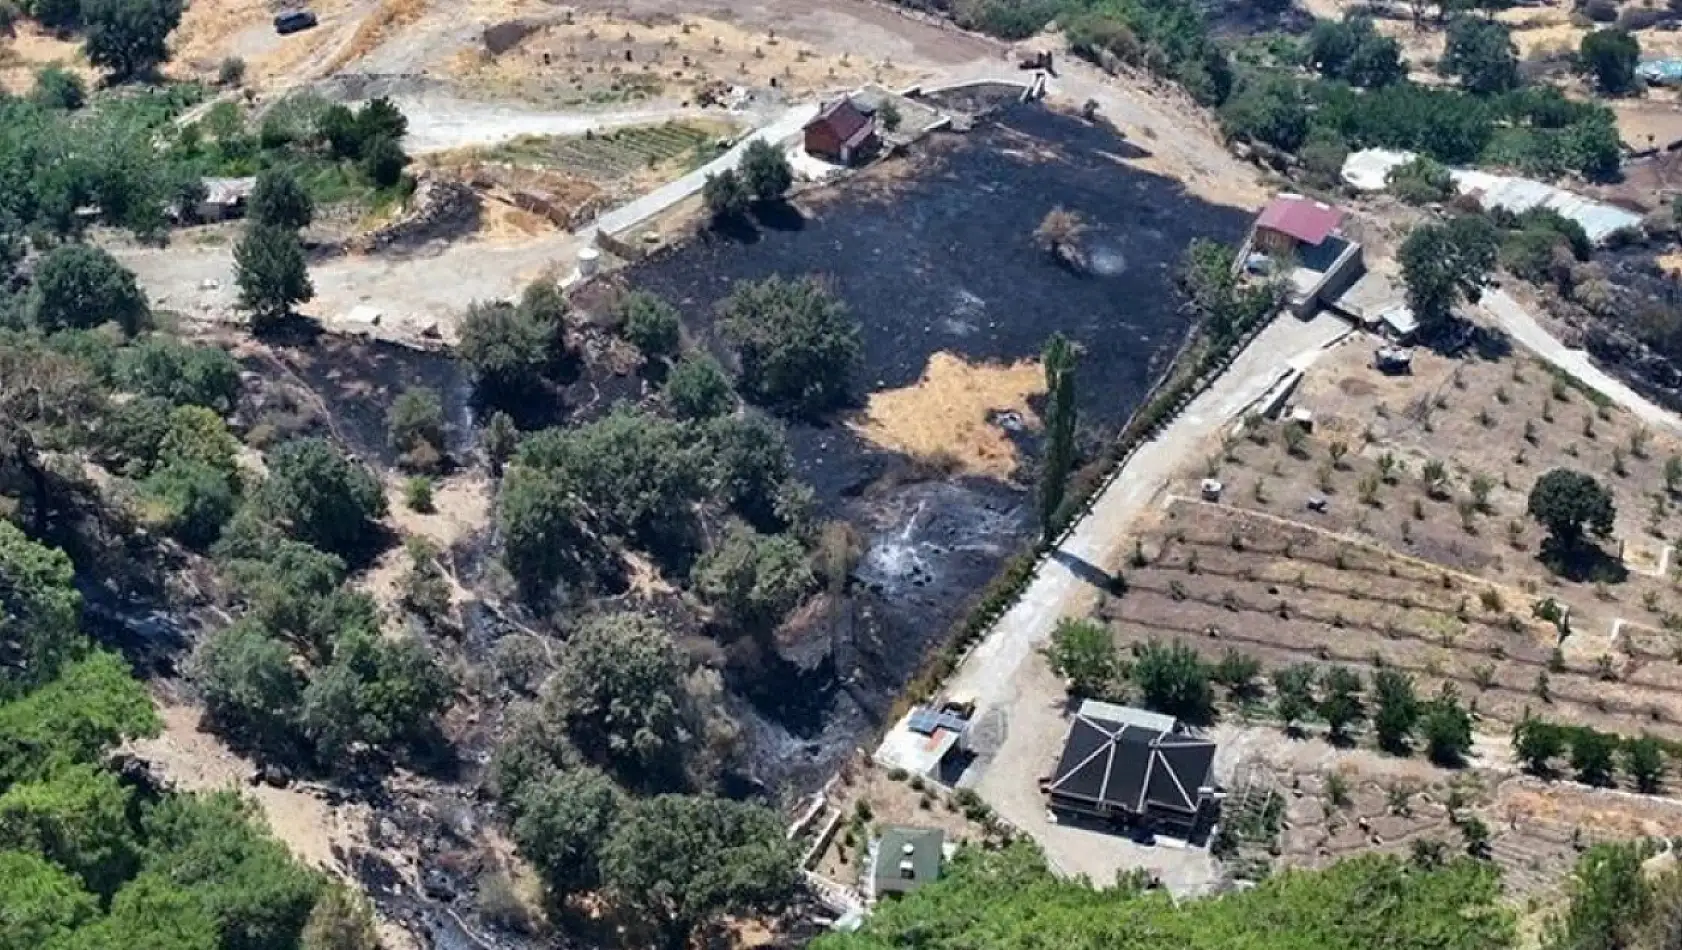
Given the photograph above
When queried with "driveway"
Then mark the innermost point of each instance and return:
(1020, 721)
(1521, 326)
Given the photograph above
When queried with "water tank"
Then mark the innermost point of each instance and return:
(589, 260)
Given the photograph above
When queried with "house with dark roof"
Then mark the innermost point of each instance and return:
(843, 132)
(1302, 240)
(905, 859)
(1134, 768)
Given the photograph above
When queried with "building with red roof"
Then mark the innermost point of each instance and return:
(1292, 220)
(843, 132)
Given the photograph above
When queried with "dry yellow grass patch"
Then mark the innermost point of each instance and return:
(945, 414)
(21, 55)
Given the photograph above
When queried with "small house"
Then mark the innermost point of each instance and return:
(905, 859)
(843, 132)
(1134, 769)
(1302, 240)
(225, 198)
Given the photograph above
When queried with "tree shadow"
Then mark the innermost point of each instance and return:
(1084, 569)
(1582, 562)
(779, 215)
(735, 228)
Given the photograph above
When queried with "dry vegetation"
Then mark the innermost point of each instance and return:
(601, 58)
(869, 799)
(950, 412)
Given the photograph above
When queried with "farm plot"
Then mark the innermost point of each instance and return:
(1227, 578)
(618, 154)
(1438, 467)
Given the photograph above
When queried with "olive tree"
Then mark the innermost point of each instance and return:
(797, 344)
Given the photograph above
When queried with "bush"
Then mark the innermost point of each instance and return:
(509, 349)
(322, 496)
(231, 72)
(383, 160)
(415, 428)
(279, 200)
(726, 195)
(417, 494)
(190, 500)
(649, 322)
(697, 388)
(57, 88)
(185, 375)
(1420, 181)
(765, 171)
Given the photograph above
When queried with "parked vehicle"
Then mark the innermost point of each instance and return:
(293, 21)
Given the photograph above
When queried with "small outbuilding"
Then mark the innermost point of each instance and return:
(1300, 239)
(905, 859)
(225, 198)
(844, 132)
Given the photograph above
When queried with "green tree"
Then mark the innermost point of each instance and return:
(1353, 51)
(797, 344)
(40, 609)
(383, 161)
(750, 464)
(292, 588)
(272, 276)
(681, 861)
(152, 913)
(216, 847)
(1083, 653)
(342, 919)
(1644, 760)
(1238, 673)
(415, 428)
(338, 126)
(1481, 54)
(248, 683)
(1565, 502)
(562, 823)
(127, 37)
(1293, 689)
(181, 373)
(1058, 359)
(93, 705)
(508, 348)
(1537, 744)
(76, 818)
(44, 905)
(58, 88)
(1396, 710)
(1420, 181)
(323, 496)
(619, 693)
(1447, 729)
(1611, 56)
(1609, 900)
(649, 322)
(190, 500)
(502, 438)
(1592, 755)
(380, 118)
(197, 435)
(726, 195)
(753, 580)
(1444, 263)
(639, 472)
(538, 516)
(1271, 109)
(765, 171)
(79, 285)
(697, 388)
(1341, 704)
(1173, 679)
(279, 201)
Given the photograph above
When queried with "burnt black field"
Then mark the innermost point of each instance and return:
(940, 256)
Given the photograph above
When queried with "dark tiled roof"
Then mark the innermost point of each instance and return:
(1131, 766)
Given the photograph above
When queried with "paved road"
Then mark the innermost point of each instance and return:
(1019, 702)
(626, 216)
(1524, 328)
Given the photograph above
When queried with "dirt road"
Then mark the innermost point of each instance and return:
(1019, 703)
(440, 123)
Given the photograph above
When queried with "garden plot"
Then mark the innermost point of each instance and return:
(869, 799)
(621, 153)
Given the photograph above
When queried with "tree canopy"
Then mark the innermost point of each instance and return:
(1566, 502)
(128, 37)
(79, 285)
(323, 496)
(797, 344)
(1610, 56)
(1445, 263)
(684, 860)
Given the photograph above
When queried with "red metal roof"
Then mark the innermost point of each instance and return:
(1302, 218)
(846, 121)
